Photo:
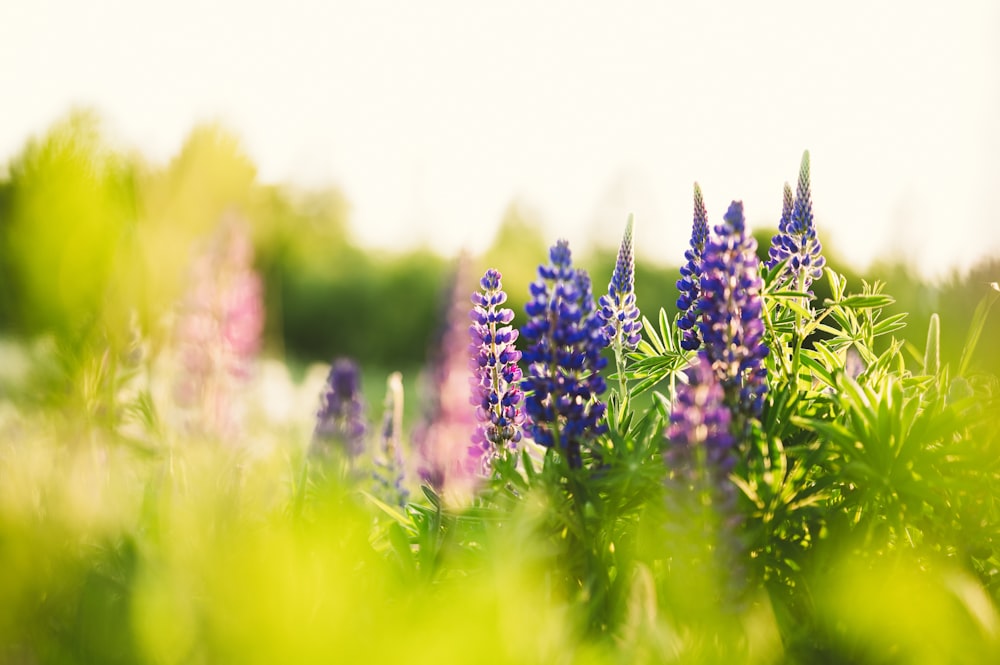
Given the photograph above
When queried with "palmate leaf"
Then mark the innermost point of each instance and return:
(661, 340)
(890, 324)
(838, 283)
(658, 357)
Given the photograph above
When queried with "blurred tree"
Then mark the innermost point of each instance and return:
(516, 251)
(296, 231)
(380, 310)
(67, 212)
(180, 206)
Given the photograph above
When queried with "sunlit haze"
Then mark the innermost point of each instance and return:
(433, 117)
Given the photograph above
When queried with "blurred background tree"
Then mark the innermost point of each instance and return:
(90, 235)
(68, 212)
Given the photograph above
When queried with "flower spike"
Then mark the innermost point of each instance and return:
(564, 338)
(796, 241)
(689, 283)
(496, 376)
(618, 308)
(731, 326)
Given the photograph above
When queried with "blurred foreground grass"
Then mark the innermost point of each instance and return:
(195, 555)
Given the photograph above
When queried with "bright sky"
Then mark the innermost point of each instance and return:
(433, 116)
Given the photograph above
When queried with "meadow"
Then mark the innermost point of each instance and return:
(229, 435)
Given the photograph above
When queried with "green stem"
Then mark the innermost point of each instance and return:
(620, 363)
(796, 351)
(553, 368)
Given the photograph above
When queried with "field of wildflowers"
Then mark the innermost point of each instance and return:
(765, 477)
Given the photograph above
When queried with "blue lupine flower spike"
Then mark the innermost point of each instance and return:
(496, 377)
(799, 243)
(563, 338)
(731, 326)
(689, 283)
(778, 252)
(618, 307)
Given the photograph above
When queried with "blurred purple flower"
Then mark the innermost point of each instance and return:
(731, 325)
(700, 419)
(701, 453)
(564, 338)
(618, 309)
(689, 283)
(341, 416)
(496, 377)
(796, 241)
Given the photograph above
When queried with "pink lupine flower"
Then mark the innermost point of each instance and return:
(442, 441)
(218, 330)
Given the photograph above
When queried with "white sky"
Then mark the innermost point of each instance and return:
(432, 116)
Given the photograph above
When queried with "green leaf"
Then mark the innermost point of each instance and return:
(401, 544)
(976, 327)
(665, 333)
(866, 301)
(644, 385)
(790, 294)
(932, 350)
(652, 336)
(818, 370)
(833, 432)
(393, 512)
(431, 496)
(838, 283)
(797, 307)
(889, 325)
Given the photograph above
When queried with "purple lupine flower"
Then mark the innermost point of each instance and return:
(701, 453)
(796, 240)
(618, 309)
(218, 330)
(496, 378)
(341, 416)
(690, 282)
(700, 418)
(564, 338)
(731, 325)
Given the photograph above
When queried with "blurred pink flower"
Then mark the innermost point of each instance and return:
(441, 441)
(218, 330)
